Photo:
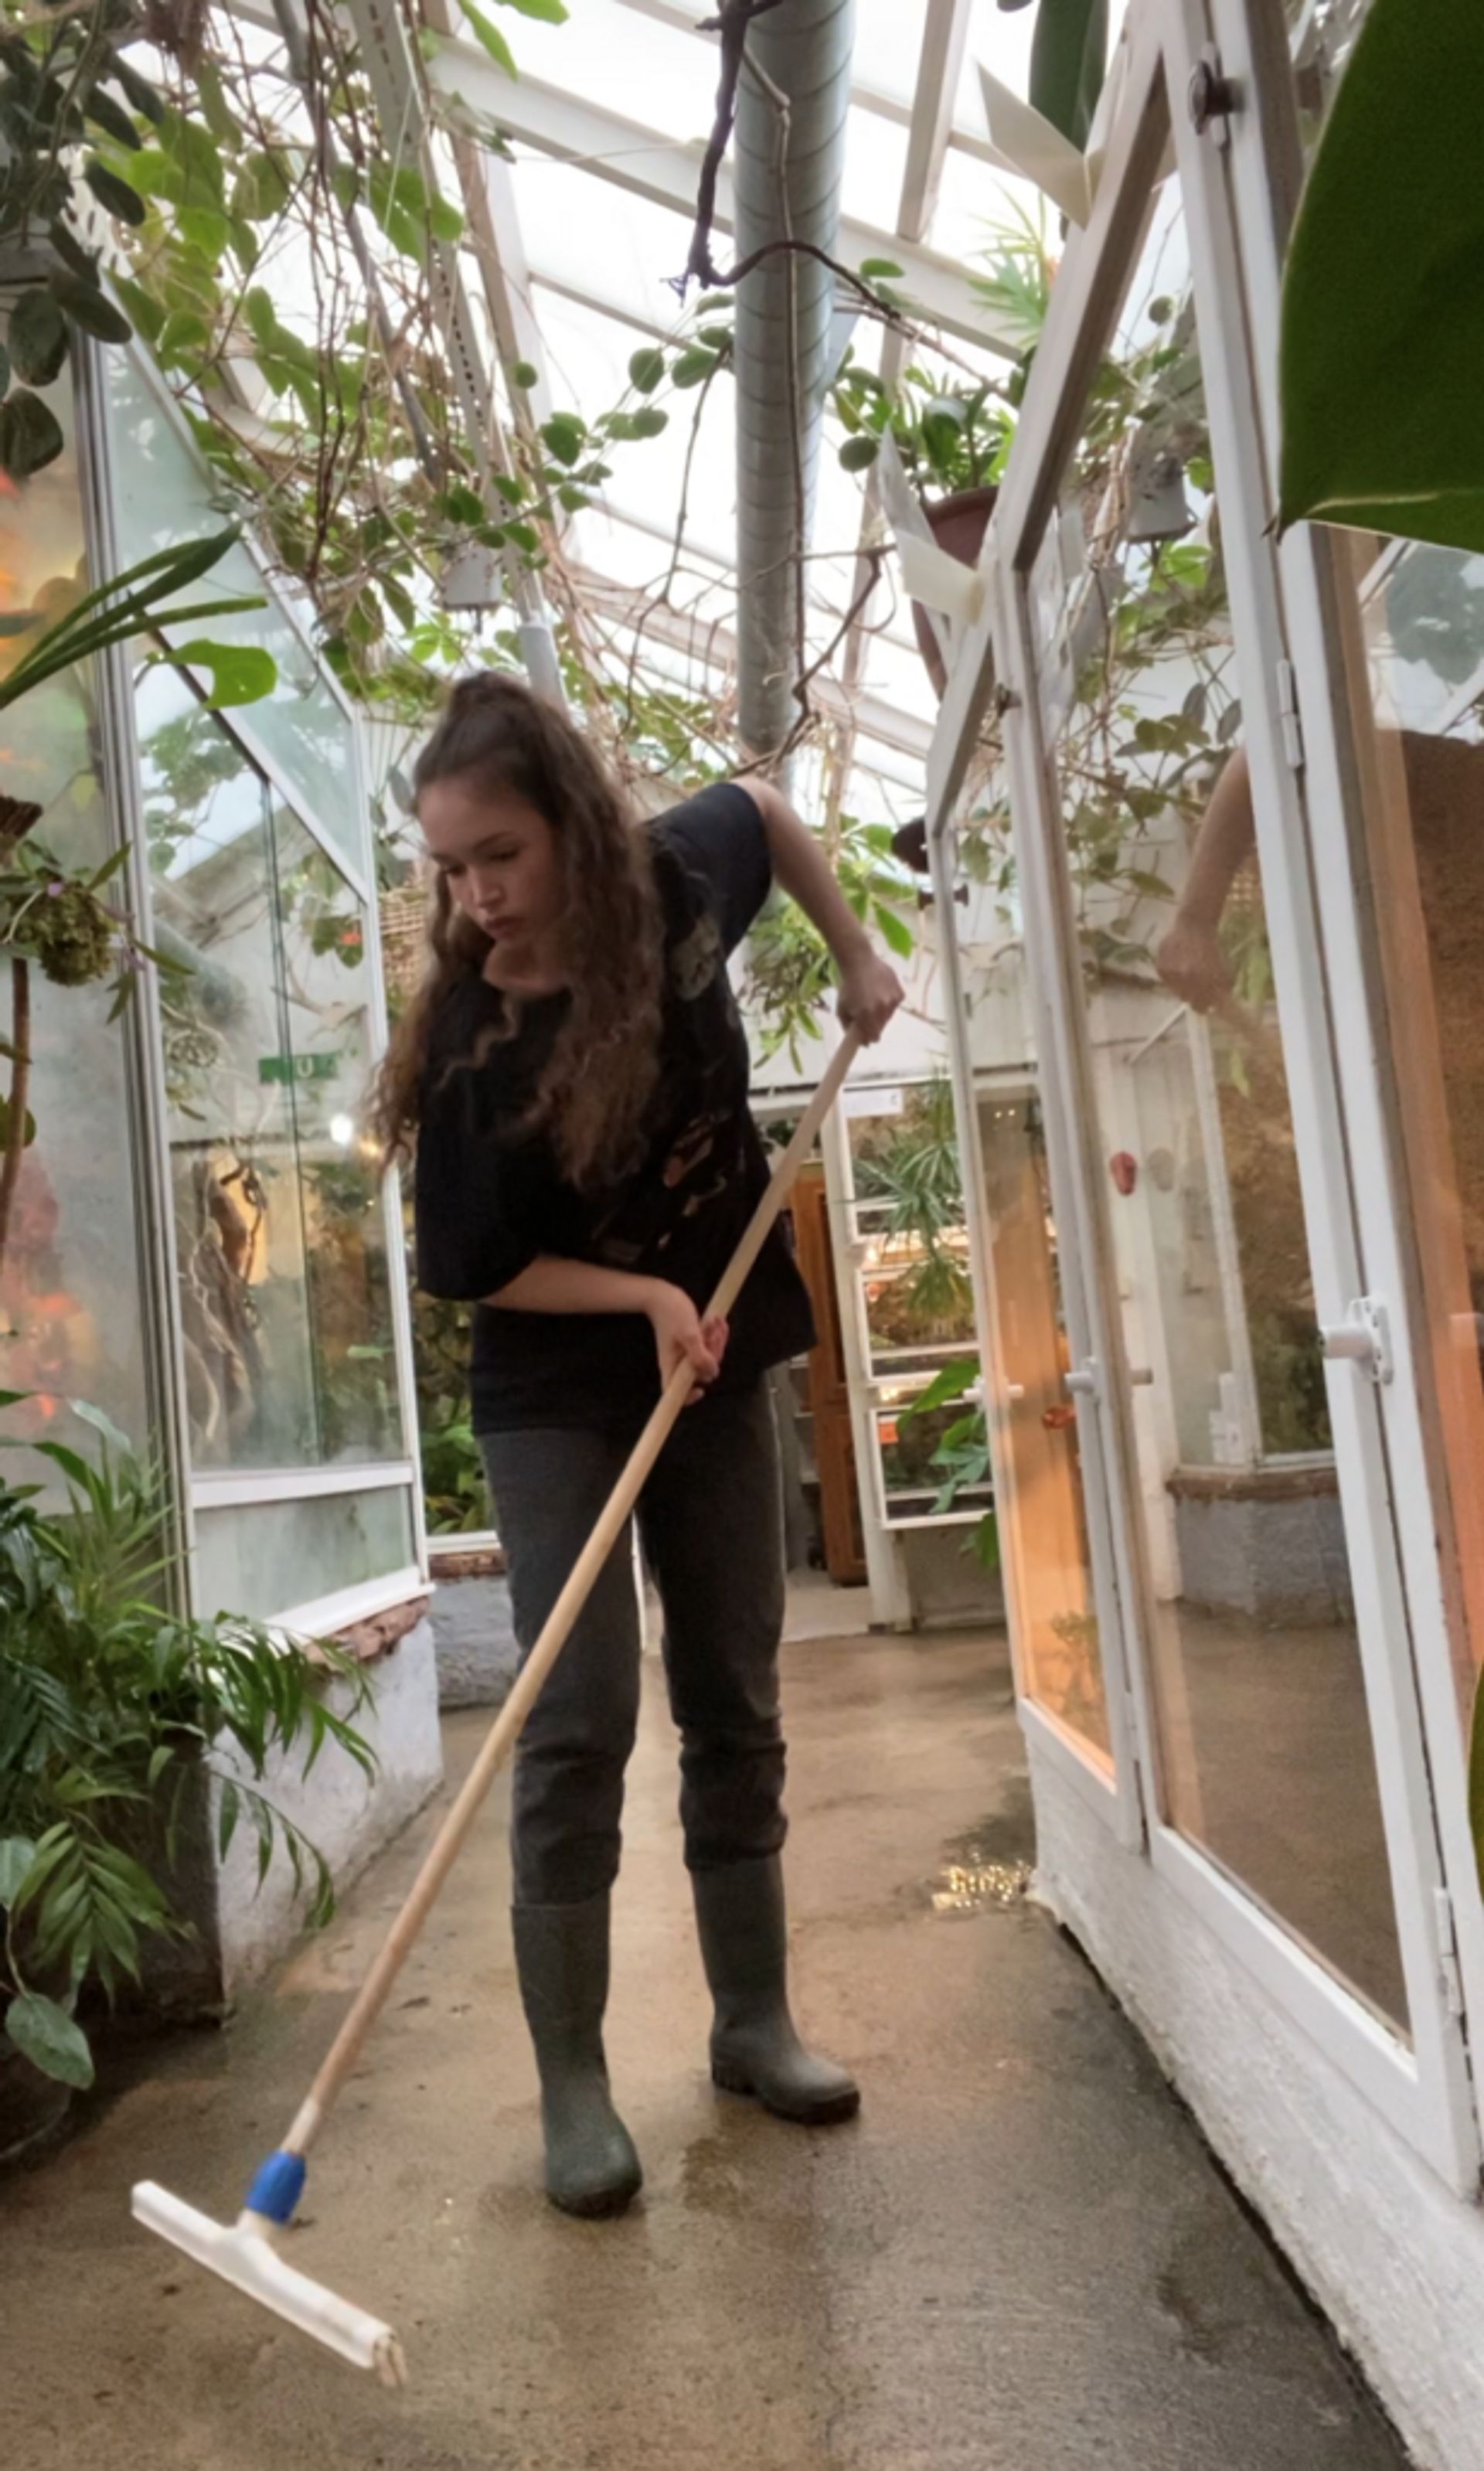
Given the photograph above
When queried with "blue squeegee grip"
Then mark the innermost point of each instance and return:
(277, 2187)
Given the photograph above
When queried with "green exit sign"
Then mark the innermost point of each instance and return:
(297, 1068)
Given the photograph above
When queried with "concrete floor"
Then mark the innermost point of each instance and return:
(1020, 2259)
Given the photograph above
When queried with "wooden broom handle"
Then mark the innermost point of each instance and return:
(503, 1734)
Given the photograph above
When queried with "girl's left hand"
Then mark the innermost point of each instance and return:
(870, 992)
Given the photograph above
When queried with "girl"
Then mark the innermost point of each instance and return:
(573, 1075)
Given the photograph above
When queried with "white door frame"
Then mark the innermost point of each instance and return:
(1266, 172)
(1423, 2090)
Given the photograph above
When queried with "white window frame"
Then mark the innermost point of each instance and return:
(1423, 2090)
(206, 1489)
(1266, 171)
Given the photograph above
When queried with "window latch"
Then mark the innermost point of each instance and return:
(1362, 1337)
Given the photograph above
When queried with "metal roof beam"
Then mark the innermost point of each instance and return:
(650, 165)
(714, 648)
(690, 20)
(945, 36)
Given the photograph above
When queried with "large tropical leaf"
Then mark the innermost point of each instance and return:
(1382, 347)
(1068, 57)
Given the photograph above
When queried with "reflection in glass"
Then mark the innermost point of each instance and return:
(1266, 1753)
(71, 1281)
(912, 1252)
(1043, 1521)
(280, 1237)
(1418, 703)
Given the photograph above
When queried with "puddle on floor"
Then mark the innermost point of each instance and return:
(989, 1868)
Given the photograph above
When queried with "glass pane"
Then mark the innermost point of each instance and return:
(1040, 1516)
(170, 498)
(239, 1224)
(265, 1558)
(1042, 1519)
(1418, 702)
(934, 1464)
(71, 1281)
(914, 1243)
(327, 978)
(1266, 1752)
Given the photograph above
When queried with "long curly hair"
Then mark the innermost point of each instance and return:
(594, 1095)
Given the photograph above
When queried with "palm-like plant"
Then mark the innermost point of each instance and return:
(110, 1702)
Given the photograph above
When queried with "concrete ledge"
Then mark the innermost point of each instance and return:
(475, 1640)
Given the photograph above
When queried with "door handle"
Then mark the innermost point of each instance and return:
(1082, 1381)
(1362, 1337)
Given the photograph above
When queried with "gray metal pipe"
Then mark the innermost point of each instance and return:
(803, 49)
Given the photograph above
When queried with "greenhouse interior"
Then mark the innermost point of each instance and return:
(923, 560)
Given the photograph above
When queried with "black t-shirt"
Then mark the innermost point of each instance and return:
(490, 1198)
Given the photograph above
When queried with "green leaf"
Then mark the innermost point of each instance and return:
(859, 453)
(1069, 56)
(100, 107)
(511, 487)
(221, 118)
(146, 311)
(49, 2038)
(490, 37)
(118, 1440)
(1381, 349)
(462, 504)
(881, 269)
(262, 317)
(90, 309)
(5, 1126)
(141, 94)
(206, 228)
(551, 13)
(895, 931)
(524, 536)
(264, 186)
(650, 422)
(525, 376)
(30, 435)
(183, 333)
(943, 1389)
(693, 367)
(646, 370)
(38, 336)
(564, 437)
(193, 151)
(240, 672)
(16, 1856)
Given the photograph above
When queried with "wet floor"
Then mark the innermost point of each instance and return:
(1019, 2259)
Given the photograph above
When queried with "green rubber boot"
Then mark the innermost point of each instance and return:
(562, 1955)
(754, 2047)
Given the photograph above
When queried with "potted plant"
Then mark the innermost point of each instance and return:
(952, 433)
(112, 1709)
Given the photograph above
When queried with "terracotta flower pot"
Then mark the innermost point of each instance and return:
(959, 524)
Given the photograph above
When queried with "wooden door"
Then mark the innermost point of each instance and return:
(829, 1398)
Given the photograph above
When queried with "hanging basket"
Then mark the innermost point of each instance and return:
(959, 524)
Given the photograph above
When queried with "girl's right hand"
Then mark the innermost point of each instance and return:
(682, 1337)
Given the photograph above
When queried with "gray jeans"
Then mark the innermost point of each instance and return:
(710, 1522)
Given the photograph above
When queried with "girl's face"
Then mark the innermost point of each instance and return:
(499, 857)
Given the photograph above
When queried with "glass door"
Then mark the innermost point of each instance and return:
(1204, 1191)
(1388, 654)
(1050, 1524)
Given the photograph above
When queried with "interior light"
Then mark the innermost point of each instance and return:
(342, 1131)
